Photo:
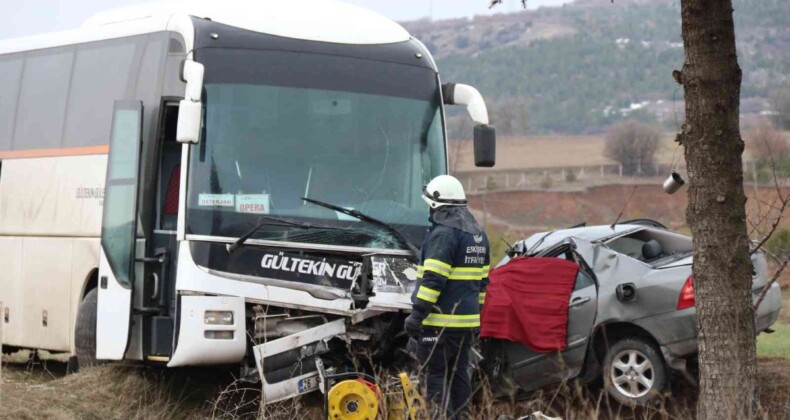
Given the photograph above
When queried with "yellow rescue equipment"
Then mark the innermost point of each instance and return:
(353, 399)
(358, 398)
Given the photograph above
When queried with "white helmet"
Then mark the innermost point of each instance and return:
(444, 190)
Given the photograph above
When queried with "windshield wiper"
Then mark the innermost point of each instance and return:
(267, 221)
(373, 221)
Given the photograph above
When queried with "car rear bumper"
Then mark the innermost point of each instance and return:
(676, 332)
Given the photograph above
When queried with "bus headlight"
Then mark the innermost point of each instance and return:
(218, 318)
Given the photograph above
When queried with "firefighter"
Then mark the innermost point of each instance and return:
(452, 278)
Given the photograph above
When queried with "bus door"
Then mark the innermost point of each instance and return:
(157, 294)
(119, 232)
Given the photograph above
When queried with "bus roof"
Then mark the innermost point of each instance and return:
(315, 20)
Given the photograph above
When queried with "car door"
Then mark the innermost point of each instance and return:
(582, 310)
(532, 370)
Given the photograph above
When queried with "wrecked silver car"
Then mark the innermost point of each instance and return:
(631, 314)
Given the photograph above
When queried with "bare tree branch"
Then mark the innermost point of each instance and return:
(768, 285)
(785, 201)
(782, 199)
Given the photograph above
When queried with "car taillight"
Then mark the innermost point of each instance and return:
(686, 298)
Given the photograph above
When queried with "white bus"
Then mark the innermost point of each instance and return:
(229, 182)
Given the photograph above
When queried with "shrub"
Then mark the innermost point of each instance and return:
(633, 144)
(546, 183)
(491, 184)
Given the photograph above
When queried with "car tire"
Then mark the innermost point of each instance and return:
(85, 330)
(634, 372)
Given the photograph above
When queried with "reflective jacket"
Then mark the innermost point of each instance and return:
(452, 278)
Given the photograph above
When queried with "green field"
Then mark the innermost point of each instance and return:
(776, 344)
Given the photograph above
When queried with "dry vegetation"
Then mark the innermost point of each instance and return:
(97, 393)
(43, 391)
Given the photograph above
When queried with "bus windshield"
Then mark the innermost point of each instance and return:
(279, 126)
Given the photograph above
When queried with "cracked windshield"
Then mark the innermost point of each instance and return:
(359, 134)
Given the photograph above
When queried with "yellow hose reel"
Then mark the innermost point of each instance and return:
(353, 399)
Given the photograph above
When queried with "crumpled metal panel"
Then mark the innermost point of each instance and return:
(393, 274)
(393, 281)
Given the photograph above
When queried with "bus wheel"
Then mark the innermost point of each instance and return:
(85, 331)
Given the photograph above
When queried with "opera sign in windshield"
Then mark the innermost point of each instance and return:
(252, 203)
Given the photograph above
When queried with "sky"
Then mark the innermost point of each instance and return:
(30, 17)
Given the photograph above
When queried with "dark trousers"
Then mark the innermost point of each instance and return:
(444, 363)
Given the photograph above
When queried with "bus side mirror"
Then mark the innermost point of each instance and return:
(484, 135)
(458, 94)
(189, 119)
(485, 145)
(190, 108)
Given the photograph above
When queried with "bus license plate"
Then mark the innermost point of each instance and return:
(308, 384)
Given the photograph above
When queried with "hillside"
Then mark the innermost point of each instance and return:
(578, 68)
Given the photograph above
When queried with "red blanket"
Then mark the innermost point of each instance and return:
(527, 302)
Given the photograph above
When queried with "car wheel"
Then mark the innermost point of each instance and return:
(634, 372)
(85, 330)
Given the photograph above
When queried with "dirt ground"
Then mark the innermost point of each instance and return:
(549, 152)
(602, 204)
(517, 153)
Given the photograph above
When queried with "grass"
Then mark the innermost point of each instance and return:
(776, 344)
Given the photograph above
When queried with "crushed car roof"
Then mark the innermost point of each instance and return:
(588, 233)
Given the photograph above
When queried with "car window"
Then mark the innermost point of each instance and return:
(628, 246)
(583, 280)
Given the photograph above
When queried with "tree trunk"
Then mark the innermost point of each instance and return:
(716, 212)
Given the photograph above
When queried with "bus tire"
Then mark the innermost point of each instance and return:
(85, 330)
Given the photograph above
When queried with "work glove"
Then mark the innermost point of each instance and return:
(413, 325)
